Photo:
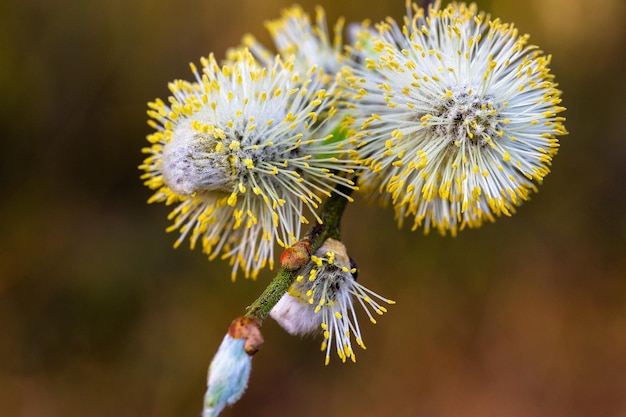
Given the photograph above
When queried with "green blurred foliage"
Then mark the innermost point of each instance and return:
(99, 316)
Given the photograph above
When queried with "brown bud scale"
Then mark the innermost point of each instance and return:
(249, 329)
(296, 256)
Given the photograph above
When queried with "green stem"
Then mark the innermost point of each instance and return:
(331, 214)
(261, 307)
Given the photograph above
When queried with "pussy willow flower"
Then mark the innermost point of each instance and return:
(245, 154)
(228, 376)
(322, 299)
(294, 34)
(456, 115)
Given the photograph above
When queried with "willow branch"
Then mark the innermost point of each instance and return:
(331, 214)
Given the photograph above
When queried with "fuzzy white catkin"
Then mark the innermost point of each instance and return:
(296, 316)
(189, 166)
(228, 376)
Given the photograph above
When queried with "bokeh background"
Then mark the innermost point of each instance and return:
(99, 316)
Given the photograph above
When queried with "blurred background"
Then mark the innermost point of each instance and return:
(99, 316)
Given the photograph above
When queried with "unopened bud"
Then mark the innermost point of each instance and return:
(228, 376)
(296, 256)
(249, 329)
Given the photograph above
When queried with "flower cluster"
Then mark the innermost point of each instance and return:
(246, 152)
(451, 117)
(294, 35)
(322, 299)
(456, 115)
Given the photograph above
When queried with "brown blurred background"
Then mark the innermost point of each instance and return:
(99, 316)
